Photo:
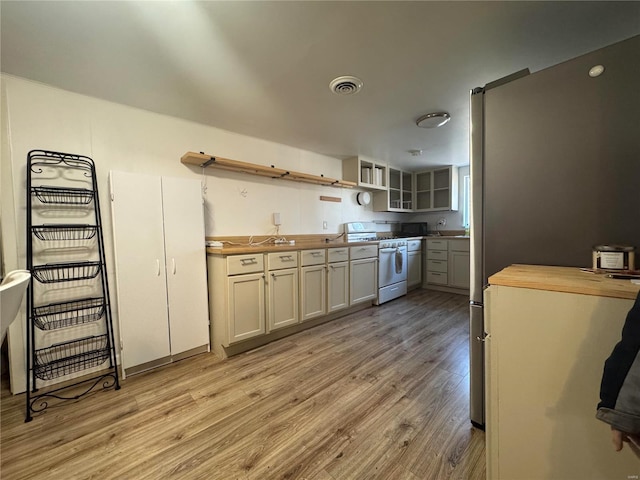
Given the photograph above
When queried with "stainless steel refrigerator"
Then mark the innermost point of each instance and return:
(555, 170)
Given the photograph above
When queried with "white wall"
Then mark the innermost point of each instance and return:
(117, 137)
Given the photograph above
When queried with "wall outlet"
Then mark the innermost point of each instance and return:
(324, 225)
(276, 219)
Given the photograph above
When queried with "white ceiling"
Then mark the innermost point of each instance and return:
(263, 68)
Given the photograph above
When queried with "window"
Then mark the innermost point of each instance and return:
(466, 201)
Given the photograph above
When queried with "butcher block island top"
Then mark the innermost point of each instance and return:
(564, 279)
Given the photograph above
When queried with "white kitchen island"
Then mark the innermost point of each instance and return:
(550, 331)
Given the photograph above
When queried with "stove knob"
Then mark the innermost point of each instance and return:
(394, 245)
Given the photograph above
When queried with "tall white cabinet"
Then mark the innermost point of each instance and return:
(161, 276)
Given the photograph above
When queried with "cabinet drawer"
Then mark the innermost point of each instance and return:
(437, 244)
(437, 277)
(459, 245)
(364, 251)
(279, 260)
(313, 257)
(437, 266)
(413, 245)
(338, 255)
(437, 255)
(239, 264)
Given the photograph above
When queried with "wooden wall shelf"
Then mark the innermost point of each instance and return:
(203, 160)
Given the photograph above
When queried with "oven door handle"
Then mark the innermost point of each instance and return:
(388, 250)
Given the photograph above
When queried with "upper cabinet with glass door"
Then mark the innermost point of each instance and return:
(437, 189)
(399, 194)
(367, 173)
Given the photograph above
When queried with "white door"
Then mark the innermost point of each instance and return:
(414, 274)
(459, 269)
(186, 264)
(363, 280)
(140, 267)
(283, 298)
(246, 306)
(337, 286)
(312, 291)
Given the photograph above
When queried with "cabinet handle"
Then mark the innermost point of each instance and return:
(484, 338)
(248, 261)
(316, 254)
(273, 275)
(286, 258)
(157, 267)
(173, 265)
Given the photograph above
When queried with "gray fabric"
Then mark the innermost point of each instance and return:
(624, 422)
(629, 397)
(626, 415)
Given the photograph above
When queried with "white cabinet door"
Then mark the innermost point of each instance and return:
(246, 307)
(140, 267)
(364, 280)
(459, 269)
(282, 286)
(337, 286)
(186, 264)
(414, 272)
(312, 292)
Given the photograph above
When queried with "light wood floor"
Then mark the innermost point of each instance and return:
(382, 393)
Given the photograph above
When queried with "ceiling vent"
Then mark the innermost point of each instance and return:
(345, 85)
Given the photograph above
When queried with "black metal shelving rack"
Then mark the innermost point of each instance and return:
(63, 187)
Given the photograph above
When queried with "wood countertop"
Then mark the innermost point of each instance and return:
(564, 279)
(266, 248)
(304, 242)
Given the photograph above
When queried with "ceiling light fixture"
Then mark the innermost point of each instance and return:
(596, 71)
(433, 120)
(345, 85)
(415, 153)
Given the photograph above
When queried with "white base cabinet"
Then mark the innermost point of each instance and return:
(337, 286)
(269, 295)
(161, 278)
(544, 361)
(282, 290)
(246, 306)
(459, 264)
(313, 284)
(363, 282)
(448, 264)
(337, 279)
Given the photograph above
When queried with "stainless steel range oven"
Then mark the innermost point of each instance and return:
(392, 259)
